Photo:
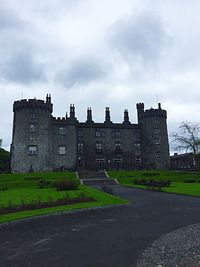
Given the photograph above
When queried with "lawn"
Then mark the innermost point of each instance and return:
(177, 178)
(24, 187)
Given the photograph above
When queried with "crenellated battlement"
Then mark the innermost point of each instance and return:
(33, 104)
(59, 119)
(154, 113)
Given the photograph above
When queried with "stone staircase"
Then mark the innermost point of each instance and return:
(95, 178)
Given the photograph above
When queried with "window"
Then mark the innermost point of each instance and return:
(32, 128)
(156, 131)
(80, 146)
(156, 121)
(99, 147)
(62, 130)
(117, 145)
(100, 160)
(137, 146)
(116, 134)
(117, 160)
(80, 133)
(33, 116)
(100, 133)
(32, 150)
(62, 150)
(138, 160)
(157, 154)
(156, 141)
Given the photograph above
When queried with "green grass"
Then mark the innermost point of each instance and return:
(177, 178)
(21, 188)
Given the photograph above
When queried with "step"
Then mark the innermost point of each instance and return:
(92, 175)
(99, 182)
(95, 178)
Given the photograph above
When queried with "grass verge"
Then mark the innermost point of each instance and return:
(177, 178)
(102, 199)
(25, 186)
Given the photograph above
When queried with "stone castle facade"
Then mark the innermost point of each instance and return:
(42, 142)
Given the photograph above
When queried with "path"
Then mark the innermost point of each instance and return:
(112, 236)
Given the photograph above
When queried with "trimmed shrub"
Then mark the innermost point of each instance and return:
(157, 184)
(189, 181)
(66, 185)
(3, 188)
(148, 182)
(82, 197)
(37, 204)
(151, 174)
(44, 183)
(140, 181)
(32, 178)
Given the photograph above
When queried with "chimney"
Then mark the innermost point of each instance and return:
(72, 111)
(159, 105)
(107, 115)
(89, 115)
(126, 116)
(47, 98)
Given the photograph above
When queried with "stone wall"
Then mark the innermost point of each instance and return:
(66, 139)
(118, 145)
(67, 144)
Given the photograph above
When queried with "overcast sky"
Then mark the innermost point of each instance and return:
(101, 53)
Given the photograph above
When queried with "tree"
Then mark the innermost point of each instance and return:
(188, 137)
(4, 159)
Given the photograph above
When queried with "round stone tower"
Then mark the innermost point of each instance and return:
(31, 141)
(155, 145)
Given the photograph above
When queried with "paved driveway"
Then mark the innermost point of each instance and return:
(112, 236)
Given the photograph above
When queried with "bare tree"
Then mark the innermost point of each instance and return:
(188, 137)
(0, 142)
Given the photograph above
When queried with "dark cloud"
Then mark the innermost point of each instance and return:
(9, 20)
(18, 61)
(142, 36)
(21, 67)
(136, 57)
(81, 71)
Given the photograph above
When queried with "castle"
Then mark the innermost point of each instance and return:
(41, 142)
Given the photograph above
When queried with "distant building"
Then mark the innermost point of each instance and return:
(184, 161)
(42, 142)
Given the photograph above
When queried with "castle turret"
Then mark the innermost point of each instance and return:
(140, 110)
(155, 145)
(31, 145)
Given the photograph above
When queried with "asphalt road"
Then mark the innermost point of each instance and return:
(111, 236)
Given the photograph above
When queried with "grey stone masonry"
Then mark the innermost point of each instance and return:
(42, 142)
